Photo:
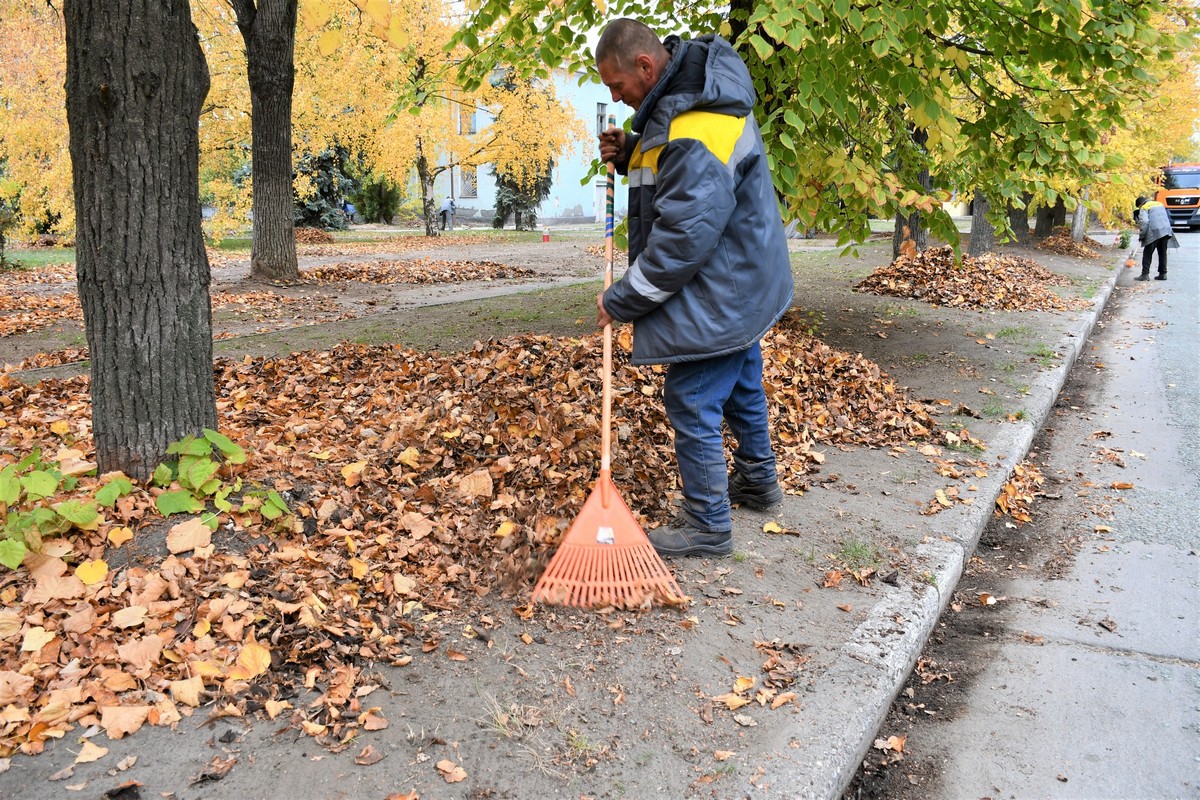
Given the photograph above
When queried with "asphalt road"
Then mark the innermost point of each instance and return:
(1088, 681)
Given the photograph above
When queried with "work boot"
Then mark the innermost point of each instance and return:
(1145, 276)
(1162, 276)
(759, 496)
(680, 537)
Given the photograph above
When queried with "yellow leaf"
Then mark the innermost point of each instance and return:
(119, 721)
(251, 662)
(119, 536)
(506, 527)
(396, 35)
(403, 584)
(276, 707)
(409, 457)
(312, 728)
(732, 701)
(786, 697)
(90, 752)
(60, 427)
(35, 639)
(315, 13)
(742, 684)
(358, 568)
(353, 472)
(327, 45)
(379, 12)
(92, 572)
(772, 527)
(187, 691)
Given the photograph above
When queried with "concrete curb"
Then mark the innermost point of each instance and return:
(874, 664)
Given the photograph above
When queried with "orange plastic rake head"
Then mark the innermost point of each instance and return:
(606, 559)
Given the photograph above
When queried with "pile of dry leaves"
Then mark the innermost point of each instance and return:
(313, 236)
(1061, 242)
(418, 271)
(417, 482)
(1000, 282)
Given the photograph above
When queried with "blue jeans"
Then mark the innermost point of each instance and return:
(700, 394)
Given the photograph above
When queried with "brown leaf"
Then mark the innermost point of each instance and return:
(188, 535)
(120, 721)
(368, 756)
(452, 772)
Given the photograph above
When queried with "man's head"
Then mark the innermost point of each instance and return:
(631, 59)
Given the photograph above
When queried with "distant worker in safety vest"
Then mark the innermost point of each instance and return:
(1155, 234)
(708, 273)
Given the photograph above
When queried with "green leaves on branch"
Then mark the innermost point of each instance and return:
(1011, 97)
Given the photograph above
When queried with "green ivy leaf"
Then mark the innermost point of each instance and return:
(80, 513)
(39, 484)
(10, 485)
(162, 475)
(233, 453)
(177, 502)
(109, 492)
(190, 446)
(12, 553)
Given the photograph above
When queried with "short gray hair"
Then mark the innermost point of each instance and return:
(625, 39)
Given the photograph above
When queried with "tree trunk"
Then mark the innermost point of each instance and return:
(269, 31)
(1018, 220)
(912, 226)
(136, 78)
(983, 235)
(1059, 213)
(1079, 219)
(425, 177)
(1045, 222)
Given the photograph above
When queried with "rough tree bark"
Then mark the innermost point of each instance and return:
(135, 81)
(268, 29)
(911, 226)
(983, 234)
(1018, 220)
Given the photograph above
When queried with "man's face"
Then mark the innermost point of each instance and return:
(632, 85)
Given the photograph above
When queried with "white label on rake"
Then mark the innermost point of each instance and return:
(605, 536)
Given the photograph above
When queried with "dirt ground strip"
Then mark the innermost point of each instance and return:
(512, 702)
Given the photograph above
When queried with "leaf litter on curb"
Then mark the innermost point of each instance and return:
(402, 468)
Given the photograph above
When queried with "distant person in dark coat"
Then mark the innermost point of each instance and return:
(1155, 235)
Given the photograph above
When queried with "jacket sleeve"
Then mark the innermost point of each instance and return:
(693, 202)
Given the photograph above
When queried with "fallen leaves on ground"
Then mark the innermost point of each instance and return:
(1061, 242)
(419, 271)
(400, 467)
(1016, 496)
(1000, 282)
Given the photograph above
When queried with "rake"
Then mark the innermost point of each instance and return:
(605, 558)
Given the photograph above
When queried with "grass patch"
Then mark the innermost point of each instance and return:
(856, 554)
(1015, 332)
(897, 311)
(36, 257)
(1043, 354)
(919, 359)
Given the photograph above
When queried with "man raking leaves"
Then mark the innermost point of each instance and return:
(708, 272)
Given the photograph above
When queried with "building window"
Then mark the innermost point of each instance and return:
(466, 121)
(468, 183)
(601, 118)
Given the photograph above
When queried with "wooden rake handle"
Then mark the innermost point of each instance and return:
(606, 416)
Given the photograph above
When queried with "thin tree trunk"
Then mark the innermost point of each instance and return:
(1059, 213)
(912, 226)
(1018, 219)
(1079, 219)
(425, 178)
(136, 79)
(269, 32)
(983, 234)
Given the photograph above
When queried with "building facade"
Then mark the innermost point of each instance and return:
(570, 201)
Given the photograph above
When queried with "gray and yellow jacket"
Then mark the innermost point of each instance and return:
(708, 264)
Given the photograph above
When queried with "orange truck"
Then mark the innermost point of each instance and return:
(1179, 191)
